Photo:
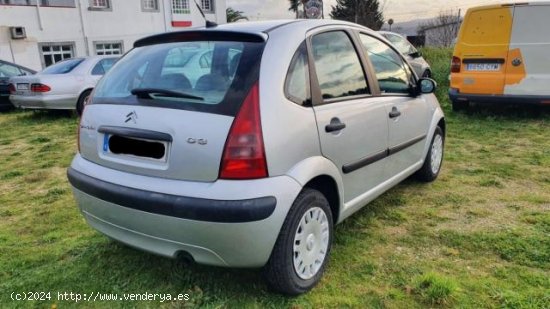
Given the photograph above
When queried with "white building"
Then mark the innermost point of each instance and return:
(37, 35)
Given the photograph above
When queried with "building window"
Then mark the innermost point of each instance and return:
(207, 5)
(46, 3)
(149, 5)
(108, 48)
(100, 5)
(180, 7)
(55, 52)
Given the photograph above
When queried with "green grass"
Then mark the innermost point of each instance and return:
(478, 237)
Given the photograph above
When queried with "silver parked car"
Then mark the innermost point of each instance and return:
(253, 168)
(64, 85)
(418, 63)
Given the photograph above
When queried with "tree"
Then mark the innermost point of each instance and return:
(442, 30)
(364, 12)
(233, 16)
(295, 6)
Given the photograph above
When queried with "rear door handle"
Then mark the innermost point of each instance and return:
(335, 125)
(395, 113)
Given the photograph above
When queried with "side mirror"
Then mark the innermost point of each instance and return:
(416, 54)
(426, 85)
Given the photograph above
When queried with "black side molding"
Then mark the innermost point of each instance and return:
(173, 205)
(351, 167)
(136, 133)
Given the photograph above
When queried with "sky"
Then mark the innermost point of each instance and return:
(398, 10)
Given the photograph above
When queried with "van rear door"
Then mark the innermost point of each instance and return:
(482, 47)
(528, 68)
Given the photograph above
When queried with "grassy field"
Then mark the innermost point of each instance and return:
(477, 237)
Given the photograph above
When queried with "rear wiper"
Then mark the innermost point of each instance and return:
(150, 93)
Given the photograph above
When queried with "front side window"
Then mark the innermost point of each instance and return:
(114, 48)
(339, 70)
(8, 70)
(390, 68)
(180, 7)
(297, 88)
(63, 67)
(56, 52)
(103, 66)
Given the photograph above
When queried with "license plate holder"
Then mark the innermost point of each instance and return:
(483, 67)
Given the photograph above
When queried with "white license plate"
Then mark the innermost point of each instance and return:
(22, 86)
(483, 67)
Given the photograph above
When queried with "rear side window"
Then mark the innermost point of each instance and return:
(103, 66)
(338, 67)
(297, 88)
(63, 67)
(7, 70)
(401, 44)
(206, 75)
(391, 71)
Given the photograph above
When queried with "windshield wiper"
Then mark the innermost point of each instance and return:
(150, 93)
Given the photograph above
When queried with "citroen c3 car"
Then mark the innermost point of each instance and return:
(292, 127)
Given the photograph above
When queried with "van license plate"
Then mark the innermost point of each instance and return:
(483, 67)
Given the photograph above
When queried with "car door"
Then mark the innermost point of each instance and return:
(352, 125)
(409, 115)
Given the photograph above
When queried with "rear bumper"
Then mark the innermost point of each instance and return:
(455, 96)
(61, 101)
(168, 217)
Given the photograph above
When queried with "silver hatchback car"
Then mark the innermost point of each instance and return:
(292, 127)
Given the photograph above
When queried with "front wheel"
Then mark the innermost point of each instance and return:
(434, 158)
(302, 249)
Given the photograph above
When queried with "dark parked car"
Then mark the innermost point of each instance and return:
(8, 70)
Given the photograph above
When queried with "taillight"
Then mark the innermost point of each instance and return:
(40, 88)
(11, 88)
(244, 153)
(455, 65)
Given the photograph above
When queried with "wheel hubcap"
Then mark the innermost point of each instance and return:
(437, 153)
(311, 242)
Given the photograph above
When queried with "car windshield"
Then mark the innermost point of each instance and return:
(8, 70)
(63, 67)
(403, 46)
(198, 73)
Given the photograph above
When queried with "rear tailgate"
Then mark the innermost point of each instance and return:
(482, 47)
(152, 141)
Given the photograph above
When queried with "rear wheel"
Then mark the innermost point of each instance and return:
(434, 158)
(302, 249)
(81, 101)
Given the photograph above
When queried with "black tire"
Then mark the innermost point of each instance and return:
(426, 173)
(80, 103)
(460, 105)
(279, 270)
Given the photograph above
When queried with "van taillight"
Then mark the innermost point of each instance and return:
(455, 65)
(40, 88)
(244, 153)
(11, 88)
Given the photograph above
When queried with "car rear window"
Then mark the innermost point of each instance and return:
(209, 76)
(63, 67)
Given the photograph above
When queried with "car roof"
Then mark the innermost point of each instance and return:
(259, 29)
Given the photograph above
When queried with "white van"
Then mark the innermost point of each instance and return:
(502, 54)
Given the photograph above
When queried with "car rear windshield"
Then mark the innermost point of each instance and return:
(208, 76)
(63, 67)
